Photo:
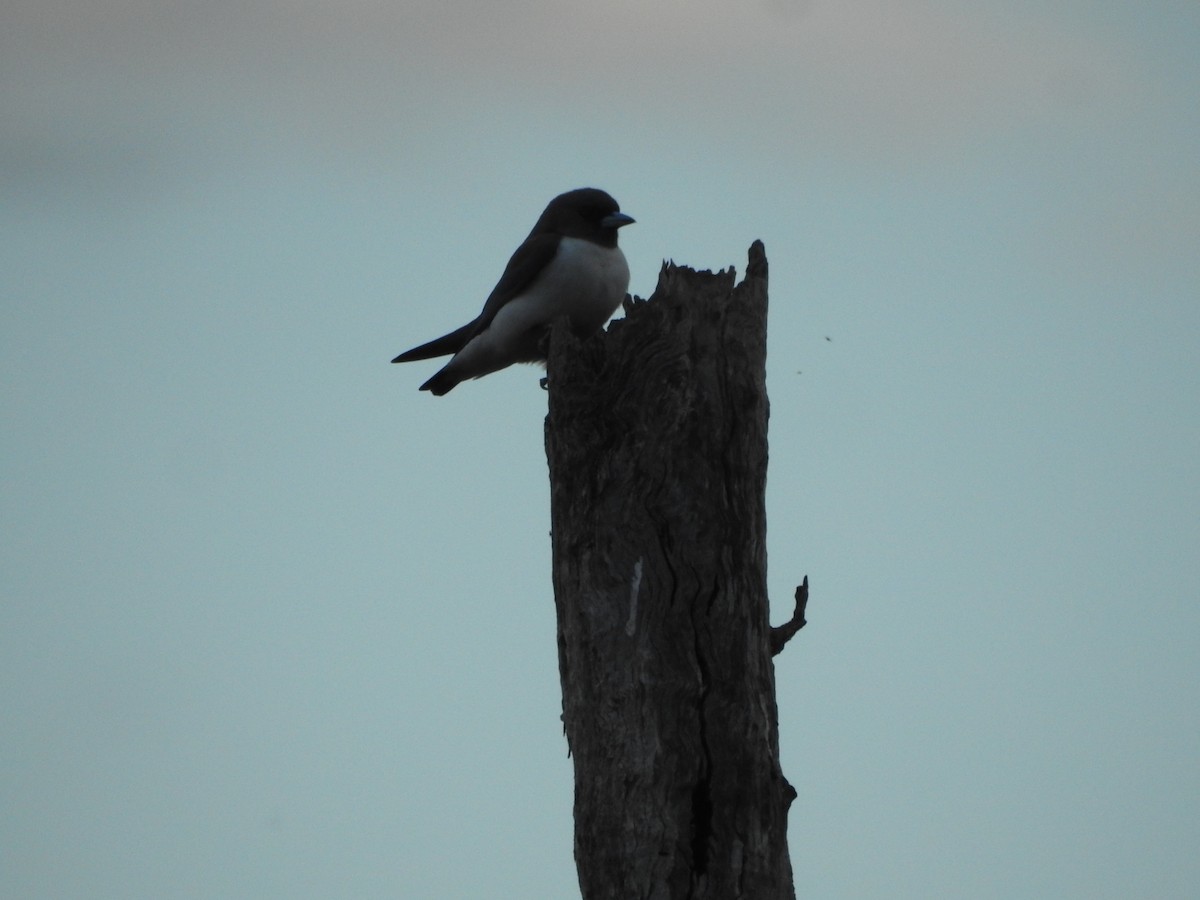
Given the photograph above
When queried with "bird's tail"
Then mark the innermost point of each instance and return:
(442, 383)
(443, 346)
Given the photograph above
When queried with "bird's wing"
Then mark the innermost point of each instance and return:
(523, 268)
(443, 346)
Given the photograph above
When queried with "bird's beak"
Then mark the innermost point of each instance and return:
(616, 220)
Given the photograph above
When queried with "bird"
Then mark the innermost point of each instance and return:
(569, 265)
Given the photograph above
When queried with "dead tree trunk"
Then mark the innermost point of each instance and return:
(657, 444)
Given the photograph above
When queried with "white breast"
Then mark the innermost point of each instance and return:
(584, 281)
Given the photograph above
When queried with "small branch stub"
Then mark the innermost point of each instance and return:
(781, 634)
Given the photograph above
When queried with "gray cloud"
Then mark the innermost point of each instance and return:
(867, 77)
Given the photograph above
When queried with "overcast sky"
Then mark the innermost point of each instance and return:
(274, 624)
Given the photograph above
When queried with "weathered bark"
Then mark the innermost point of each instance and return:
(657, 443)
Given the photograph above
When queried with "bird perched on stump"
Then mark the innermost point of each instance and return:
(570, 265)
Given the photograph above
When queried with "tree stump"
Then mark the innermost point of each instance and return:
(656, 439)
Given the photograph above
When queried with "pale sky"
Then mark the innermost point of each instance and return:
(274, 624)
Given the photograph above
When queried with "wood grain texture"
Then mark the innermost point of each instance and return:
(656, 439)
